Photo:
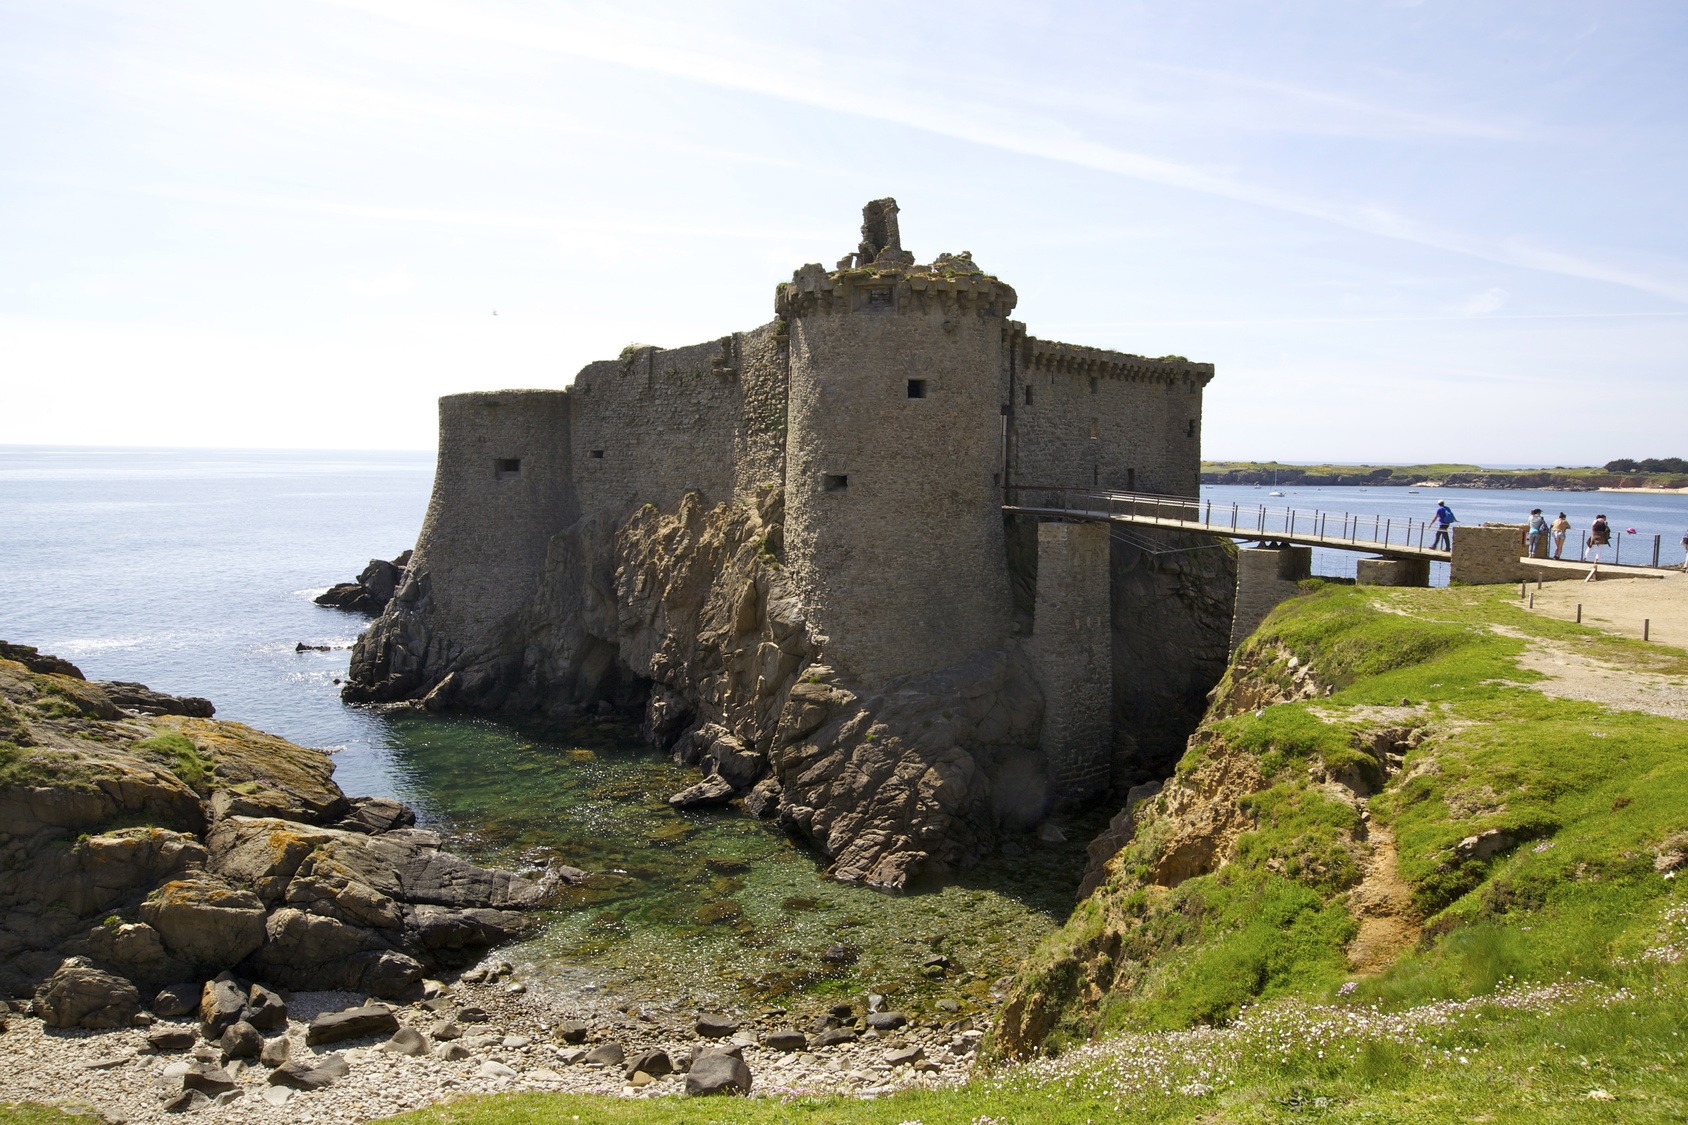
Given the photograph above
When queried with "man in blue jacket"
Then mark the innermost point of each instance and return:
(1444, 519)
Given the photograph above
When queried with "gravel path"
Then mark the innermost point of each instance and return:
(519, 1046)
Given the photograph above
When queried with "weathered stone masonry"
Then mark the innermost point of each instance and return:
(787, 545)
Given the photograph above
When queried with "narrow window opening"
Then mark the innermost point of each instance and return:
(1095, 429)
(1095, 384)
(917, 388)
(597, 454)
(879, 298)
(835, 482)
(1028, 394)
(1131, 480)
(1190, 430)
(996, 480)
(506, 467)
(1095, 475)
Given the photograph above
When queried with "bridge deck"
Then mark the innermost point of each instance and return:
(1281, 533)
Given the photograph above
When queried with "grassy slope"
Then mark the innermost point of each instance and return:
(1410, 474)
(1256, 949)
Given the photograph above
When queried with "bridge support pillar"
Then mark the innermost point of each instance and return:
(1487, 554)
(1385, 571)
(1071, 650)
(1266, 576)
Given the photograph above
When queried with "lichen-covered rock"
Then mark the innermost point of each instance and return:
(268, 889)
(81, 995)
(205, 920)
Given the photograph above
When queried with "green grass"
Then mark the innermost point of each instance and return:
(1584, 796)
(1592, 475)
(35, 1113)
(178, 752)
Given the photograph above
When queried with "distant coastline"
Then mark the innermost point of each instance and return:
(1439, 476)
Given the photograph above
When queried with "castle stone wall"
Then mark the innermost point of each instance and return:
(893, 531)
(1071, 651)
(483, 542)
(1101, 419)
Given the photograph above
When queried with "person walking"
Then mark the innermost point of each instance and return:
(1537, 534)
(1599, 535)
(1560, 527)
(1443, 519)
(1685, 550)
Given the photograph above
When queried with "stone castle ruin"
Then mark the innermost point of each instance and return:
(786, 550)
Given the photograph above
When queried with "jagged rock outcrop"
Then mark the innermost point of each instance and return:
(690, 614)
(372, 590)
(163, 847)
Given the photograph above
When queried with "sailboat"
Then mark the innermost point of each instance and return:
(1274, 491)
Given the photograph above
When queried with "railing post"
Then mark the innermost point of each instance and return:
(1386, 533)
(1656, 539)
(1209, 517)
(1233, 515)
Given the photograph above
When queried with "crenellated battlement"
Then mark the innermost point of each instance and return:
(1076, 359)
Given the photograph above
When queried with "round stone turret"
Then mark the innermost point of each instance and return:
(894, 454)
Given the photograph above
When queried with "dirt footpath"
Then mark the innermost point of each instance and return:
(1620, 605)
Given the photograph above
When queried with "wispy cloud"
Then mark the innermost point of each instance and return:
(791, 75)
(1484, 303)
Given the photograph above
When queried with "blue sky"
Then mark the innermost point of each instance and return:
(1403, 231)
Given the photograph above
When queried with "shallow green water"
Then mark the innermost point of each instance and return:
(712, 907)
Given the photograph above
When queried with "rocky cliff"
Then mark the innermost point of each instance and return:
(161, 845)
(691, 616)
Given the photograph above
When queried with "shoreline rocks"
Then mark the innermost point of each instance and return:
(150, 847)
(371, 591)
(130, 1073)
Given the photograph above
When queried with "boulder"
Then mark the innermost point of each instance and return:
(351, 1023)
(573, 1031)
(81, 995)
(607, 1054)
(241, 1041)
(406, 1041)
(451, 1052)
(310, 1074)
(275, 1051)
(654, 1063)
(887, 1021)
(785, 1039)
(835, 1036)
(712, 790)
(210, 1080)
(221, 1004)
(712, 1025)
(139, 697)
(906, 1056)
(175, 1000)
(265, 1010)
(716, 1072)
(171, 1037)
(206, 921)
(185, 1101)
(373, 815)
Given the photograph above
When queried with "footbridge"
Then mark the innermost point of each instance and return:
(1271, 570)
(1391, 538)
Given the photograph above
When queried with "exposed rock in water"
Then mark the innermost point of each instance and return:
(236, 851)
(373, 589)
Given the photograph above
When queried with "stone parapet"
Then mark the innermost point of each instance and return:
(1386, 571)
(1074, 359)
(1485, 555)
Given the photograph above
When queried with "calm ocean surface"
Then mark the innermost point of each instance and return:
(192, 571)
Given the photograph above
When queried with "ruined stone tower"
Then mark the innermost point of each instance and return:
(894, 454)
